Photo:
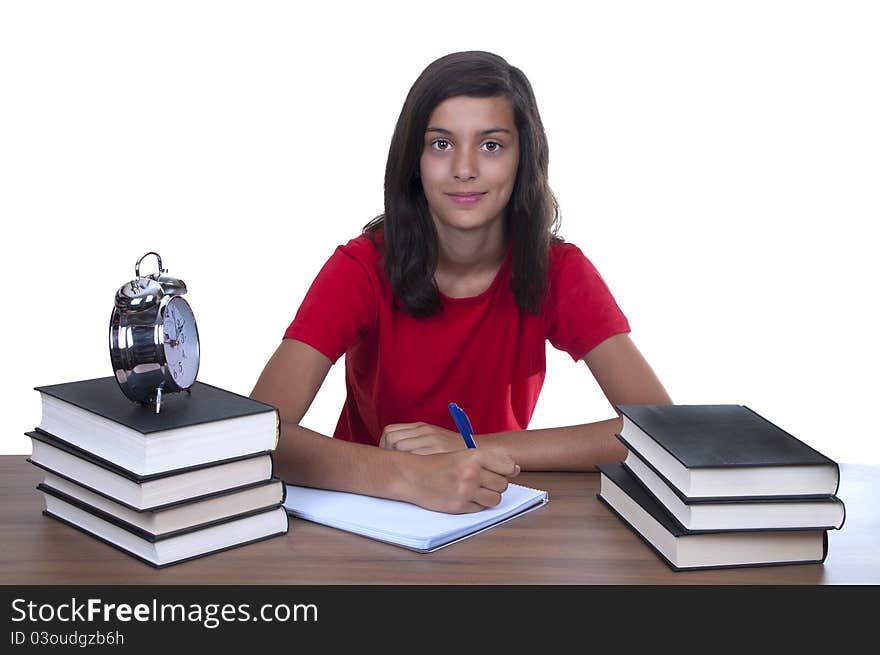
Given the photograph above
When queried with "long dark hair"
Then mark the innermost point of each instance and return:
(410, 238)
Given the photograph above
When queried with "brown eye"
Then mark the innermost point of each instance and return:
(497, 145)
(439, 141)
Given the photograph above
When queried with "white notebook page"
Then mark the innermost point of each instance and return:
(402, 523)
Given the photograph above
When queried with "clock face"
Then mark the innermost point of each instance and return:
(181, 342)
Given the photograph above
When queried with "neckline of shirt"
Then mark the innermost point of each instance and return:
(499, 274)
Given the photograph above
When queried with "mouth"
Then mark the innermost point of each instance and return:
(466, 198)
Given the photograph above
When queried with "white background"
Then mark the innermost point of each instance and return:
(718, 163)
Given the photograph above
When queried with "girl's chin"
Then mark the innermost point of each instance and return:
(464, 222)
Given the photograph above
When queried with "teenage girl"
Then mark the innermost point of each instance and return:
(450, 296)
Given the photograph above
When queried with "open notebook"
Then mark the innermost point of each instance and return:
(404, 524)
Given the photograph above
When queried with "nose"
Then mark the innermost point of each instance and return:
(464, 165)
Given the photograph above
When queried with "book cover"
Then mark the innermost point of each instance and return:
(696, 500)
(91, 458)
(711, 436)
(206, 426)
(628, 484)
(140, 532)
(205, 404)
(225, 536)
(796, 512)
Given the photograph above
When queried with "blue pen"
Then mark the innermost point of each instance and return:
(463, 423)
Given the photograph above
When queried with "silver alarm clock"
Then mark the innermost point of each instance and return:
(154, 341)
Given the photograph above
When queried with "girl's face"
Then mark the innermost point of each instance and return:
(471, 147)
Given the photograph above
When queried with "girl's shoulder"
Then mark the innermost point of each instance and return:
(562, 254)
(365, 250)
(568, 267)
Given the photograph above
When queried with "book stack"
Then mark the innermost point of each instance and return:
(717, 486)
(165, 488)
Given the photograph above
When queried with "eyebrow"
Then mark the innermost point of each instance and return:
(443, 130)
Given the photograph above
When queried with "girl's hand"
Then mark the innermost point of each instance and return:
(420, 439)
(459, 482)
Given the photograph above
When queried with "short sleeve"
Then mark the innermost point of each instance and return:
(339, 307)
(579, 311)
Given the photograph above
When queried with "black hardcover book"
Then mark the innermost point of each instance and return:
(204, 404)
(684, 550)
(749, 513)
(146, 493)
(718, 451)
(217, 537)
(208, 424)
(173, 520)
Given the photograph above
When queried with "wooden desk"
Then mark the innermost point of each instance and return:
(574, 539)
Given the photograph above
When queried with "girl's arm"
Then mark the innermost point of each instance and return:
(449, 482)
(625, 377)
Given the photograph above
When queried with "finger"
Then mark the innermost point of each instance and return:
(493, 481)
(470, 508)
(426, 450)
(487, 497)
(387, 441)
(410, 444)
(499, 463)
(408, 432)
(391, 438)
(394, 427)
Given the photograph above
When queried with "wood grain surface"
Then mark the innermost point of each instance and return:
(574, 539)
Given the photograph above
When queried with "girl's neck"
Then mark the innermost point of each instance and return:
(473, 252)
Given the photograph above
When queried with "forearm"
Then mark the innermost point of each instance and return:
(306, 458)
(570, 448)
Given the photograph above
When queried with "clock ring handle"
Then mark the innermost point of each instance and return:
(137, 266)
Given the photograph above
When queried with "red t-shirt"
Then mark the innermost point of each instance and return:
(481, 352)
